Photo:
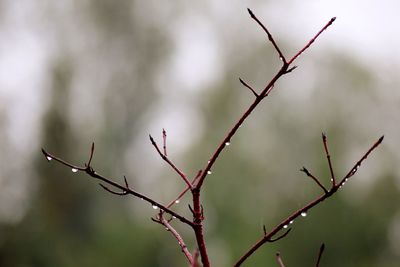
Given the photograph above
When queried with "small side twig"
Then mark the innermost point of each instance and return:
(328, 157)
(270, 38)
(248, 87)
(279, 260)
(315, 179)
(164, 134)
(321, 250)
(166, 159)
(280, 237)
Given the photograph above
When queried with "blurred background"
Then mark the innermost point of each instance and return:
(74, 72)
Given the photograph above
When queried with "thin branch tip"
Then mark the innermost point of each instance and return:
(250, 12)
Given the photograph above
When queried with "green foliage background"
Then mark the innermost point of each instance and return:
(104, 85)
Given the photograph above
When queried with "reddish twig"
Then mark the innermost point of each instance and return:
(164, 134)
(90, 171)
(270, 38)
(311, 41)
(282, 71)
(177, 199)
(178, 237)
(166, 159)
(303, 211)
(314, 178)
(248, 87)
(328, 156)
(279, 260)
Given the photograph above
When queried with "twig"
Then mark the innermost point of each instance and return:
(166, 159)
(90, 171)
(270, 38)
(178, 237)
(281, 236)
(315, 179)
(321, 250)
(279, 260)
(328, 156)
(303, 211)
(358, 164)
(164, 133)
(249, 87)
(283, 70)
(311, 41)
(181, 194)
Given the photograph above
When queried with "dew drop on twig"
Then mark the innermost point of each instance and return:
(285, 226)
(304, 214)
(74, 170)
(291, 222)
(49, 158)
(177, 201)
(209, 172)
(155, 207)
(227, 143)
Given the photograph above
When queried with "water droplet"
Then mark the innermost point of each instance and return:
(177, 201)
(155, 207)
(291, 222)
(285, 226)
(209, 172)
(208, 161)
(304, 214)
(49, 158)
(74, 170)
(240, 126)
(331, 179)
(173, 217)
(227, 143)
(281, 58)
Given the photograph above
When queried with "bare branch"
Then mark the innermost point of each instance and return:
(328, 156)
(311, 41)
(321, 250)
(177, 199)
(91, 154)
(164, 133)
(179, 238)
(123, 193)
(303, 211)
(249, 87)
(270, 38)
(358, 164)
(315, 179)
(281, 236)
(279, 260)
(90, 171)
(166, 159)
